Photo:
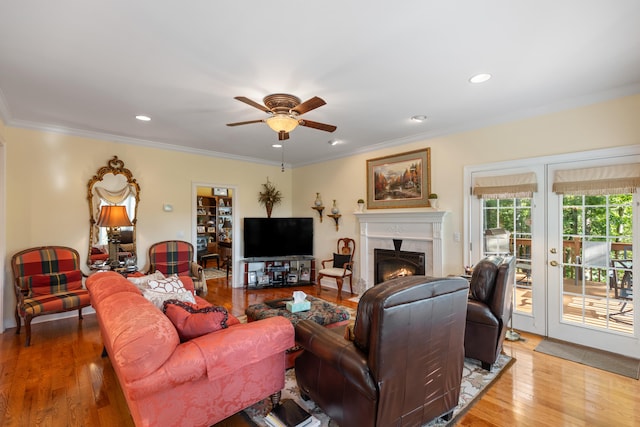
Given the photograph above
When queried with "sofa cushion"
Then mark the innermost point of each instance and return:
(192, 322)
(483, 280)
(47, 284)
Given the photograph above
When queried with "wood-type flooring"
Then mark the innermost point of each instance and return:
(61, 380)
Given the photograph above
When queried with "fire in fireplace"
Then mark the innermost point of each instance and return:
(389, 264)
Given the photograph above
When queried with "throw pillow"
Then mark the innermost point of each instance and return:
(168, 284)
(483, 280)
(143, 281)
(340, 260)
(191, 322)
(158, 298)
(47, 284)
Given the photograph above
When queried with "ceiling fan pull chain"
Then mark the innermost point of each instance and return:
(282, 164)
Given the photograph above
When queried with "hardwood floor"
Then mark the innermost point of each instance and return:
(61, 380)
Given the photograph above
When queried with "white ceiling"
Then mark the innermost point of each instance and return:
(88, 67)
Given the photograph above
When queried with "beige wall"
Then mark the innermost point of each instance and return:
(47, 175)
(609, 124)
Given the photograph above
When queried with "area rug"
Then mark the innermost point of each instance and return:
(475, 382)
(599, 359)
(214, 273)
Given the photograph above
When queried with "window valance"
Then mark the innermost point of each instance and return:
(505, 186)
(597, 181)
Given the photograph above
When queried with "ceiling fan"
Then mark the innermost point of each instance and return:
(284, 111)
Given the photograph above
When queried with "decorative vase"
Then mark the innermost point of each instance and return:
(360, 207)
(318, 201)
(269, 207)
(433, 203)
(334, 208)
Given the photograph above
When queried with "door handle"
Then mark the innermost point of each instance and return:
(553, 263)
(553, 250)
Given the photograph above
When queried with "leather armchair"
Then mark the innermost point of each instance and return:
(404, 365)
(489, 309)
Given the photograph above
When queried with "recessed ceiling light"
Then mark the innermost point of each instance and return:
(333, 141)
(480, 78)
(143, 118)
(419, 118)
(276, 145)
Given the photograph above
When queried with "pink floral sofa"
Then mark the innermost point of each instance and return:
(197, 382)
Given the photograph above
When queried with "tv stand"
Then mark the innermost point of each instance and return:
(278, 272)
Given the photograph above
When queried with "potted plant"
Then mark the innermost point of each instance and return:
(433, 200)
(269, 196)
(360, 205)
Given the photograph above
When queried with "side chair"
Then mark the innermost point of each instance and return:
(47, 280)
(341, 265)
(177, 257)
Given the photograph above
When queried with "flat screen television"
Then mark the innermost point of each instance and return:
(274, 237)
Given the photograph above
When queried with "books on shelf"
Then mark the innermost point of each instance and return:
(289, 414)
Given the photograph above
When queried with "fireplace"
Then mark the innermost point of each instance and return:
(420, 233)
(390, 264)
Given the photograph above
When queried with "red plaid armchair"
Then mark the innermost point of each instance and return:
(177, 257)
(47, 280)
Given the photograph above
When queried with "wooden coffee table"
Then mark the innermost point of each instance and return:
(322, 312)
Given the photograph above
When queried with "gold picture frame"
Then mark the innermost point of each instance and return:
(400, 180)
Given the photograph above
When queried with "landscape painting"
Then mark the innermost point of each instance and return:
(399, 181)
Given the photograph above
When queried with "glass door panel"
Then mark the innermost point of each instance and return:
(598, 266)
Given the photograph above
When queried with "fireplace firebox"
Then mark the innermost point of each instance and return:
(389, 264)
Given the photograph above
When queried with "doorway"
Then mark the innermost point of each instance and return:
(213, 230)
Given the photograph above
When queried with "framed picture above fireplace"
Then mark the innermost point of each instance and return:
(400, 180)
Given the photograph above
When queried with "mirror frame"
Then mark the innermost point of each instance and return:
(114, 166)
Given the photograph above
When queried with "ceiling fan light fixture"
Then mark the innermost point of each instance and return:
(282, 123)
(419, 118)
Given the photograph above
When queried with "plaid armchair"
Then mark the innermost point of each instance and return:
(47, 280)
(177, 257)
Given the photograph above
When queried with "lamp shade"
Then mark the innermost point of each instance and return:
(113, 216)
(282, 123)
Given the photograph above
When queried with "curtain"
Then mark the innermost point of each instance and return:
(505, 186)
(598, 181)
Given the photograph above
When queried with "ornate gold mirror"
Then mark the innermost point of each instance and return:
(113, 196)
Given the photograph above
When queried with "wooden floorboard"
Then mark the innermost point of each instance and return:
(62, 380)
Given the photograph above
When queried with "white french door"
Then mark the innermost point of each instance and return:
(591, 265)
(523, 219)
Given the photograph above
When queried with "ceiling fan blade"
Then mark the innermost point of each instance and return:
(282, 135)
(317, 125)
(244, 123)
(252, 103)
(308, 105)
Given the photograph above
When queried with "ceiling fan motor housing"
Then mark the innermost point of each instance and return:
(281, 103)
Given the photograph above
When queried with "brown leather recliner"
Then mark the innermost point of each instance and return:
(489, 309)
(404, 366)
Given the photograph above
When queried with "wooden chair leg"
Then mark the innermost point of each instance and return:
(339, 283)
(18, 322)
(351, 284)
(320, 276)
(27, 328)
(80, 314)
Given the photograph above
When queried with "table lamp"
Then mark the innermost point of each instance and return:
(113, 217)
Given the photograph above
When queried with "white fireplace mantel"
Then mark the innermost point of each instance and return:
(420, 231)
